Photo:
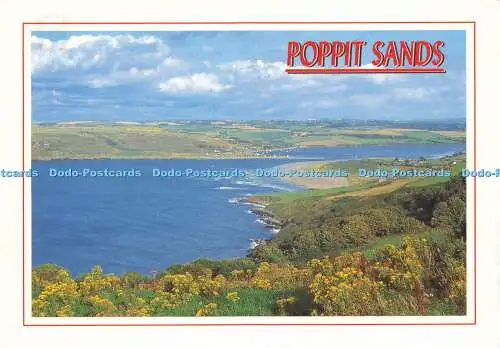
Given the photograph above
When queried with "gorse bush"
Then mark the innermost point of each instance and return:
(222, 267)
(398, 281)
(346, 292)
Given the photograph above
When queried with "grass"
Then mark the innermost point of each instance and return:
(397, 240)
(123, 141)
(440, 307)
(377, 189)
(310, 193)
(252, 302)
(354, 165)
(198, 139)
(434, 180)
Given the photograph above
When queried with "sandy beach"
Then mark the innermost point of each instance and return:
(312, 182)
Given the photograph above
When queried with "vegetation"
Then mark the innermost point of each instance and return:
(315, 227)
(394, 253)
(220, 139)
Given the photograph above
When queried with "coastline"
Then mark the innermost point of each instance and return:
(312, 182)
(264, 217)
(194, 157)
(269, 219)
(254, 155)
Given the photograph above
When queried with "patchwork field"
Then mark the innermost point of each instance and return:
(125, 141)
(215, 139)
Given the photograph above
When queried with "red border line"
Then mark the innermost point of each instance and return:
(22, 166)
(270, 324)
(363, 70)
(475, 187)
(248, 22)
(248, 324)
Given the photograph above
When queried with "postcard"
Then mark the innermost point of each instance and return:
(203, 174)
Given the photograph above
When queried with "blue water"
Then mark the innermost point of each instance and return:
(364, 151)
(147, 223)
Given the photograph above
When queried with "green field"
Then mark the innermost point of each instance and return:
(125, 141)
(216, 139)
(360, 186)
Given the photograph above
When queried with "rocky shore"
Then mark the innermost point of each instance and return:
(265, 217)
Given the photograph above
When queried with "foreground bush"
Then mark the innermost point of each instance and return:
(405, 280)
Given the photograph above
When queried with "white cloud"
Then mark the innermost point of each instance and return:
(337, 88)
(250, 71)
(380, 78)
(320, 104)
(270, 110)
(197, 83)
(100, 61)
(369, 100)
(295, 84)
(418, 93)
(121, 77)
(206, 48)
(406, 93)
(142, 72)
(101, 82)
(255, 68)
(90, 51)
(398, 94)
(172, 62)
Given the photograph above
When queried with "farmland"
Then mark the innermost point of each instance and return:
(215, 139)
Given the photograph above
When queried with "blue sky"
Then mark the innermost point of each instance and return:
(237, 75)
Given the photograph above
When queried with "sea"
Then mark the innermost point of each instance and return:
(146, 223)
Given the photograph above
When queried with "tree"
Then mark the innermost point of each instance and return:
(450, 215)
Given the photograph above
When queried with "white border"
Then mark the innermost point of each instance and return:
(469, 318)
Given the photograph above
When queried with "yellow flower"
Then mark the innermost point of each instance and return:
(232, 296)
(206, 309)
(65, 311)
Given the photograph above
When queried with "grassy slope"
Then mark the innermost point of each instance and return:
(124, 141)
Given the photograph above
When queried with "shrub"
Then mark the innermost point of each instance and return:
(382, 221)
(399, 281)
(279, 276)
(284, 305)
(451, 215)
(356, 230)
(132, 279)
(267, 252)
(347, 292)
